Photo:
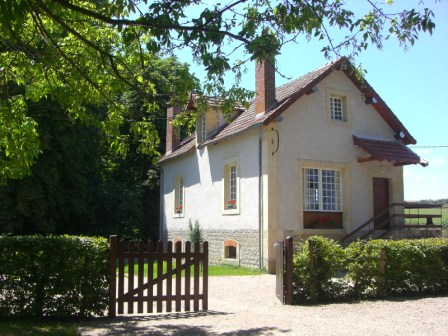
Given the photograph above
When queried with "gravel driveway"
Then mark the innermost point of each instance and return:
(247, 305)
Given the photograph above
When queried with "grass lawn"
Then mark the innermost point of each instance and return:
(443, 211)
(27, 328)
(213, 270)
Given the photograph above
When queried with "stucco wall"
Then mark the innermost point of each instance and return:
(308, 137)
(203, 173)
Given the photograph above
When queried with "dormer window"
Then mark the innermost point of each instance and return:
(203, 129)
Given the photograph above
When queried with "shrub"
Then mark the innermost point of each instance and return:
(362, 267)
(318, 280)
(411, 267)
(55, 276)
(194, 232)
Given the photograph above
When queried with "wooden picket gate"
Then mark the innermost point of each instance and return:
(146, 290)
(284, 270)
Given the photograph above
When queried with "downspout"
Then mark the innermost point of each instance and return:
(260, 200)
(161, 205)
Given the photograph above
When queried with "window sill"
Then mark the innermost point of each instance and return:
(179, 215)
(229, 261)
(231, 212)
(324, 231)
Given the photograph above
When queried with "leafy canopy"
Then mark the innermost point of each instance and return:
(84, 52)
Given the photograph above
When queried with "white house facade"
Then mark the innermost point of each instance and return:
(319, 155)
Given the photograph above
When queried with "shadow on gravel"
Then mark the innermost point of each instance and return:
(135, 325)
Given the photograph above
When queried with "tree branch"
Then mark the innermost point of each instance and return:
(127, 22)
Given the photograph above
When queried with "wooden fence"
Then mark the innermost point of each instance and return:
(163, 277)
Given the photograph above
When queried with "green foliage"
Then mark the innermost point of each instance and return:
(329, 262)
(86, 53)
(78, 185)
(194, 233)
(55, 276)
(412, 267)
(38, 328)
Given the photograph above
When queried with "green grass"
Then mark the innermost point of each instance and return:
(228, 270)
(213, 270)
(27, 328)
(436, 211)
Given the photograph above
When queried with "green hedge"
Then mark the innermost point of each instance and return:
(55, 276)
(410, 267)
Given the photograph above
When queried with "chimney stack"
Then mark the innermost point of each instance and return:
(172, 137)
(264, 85)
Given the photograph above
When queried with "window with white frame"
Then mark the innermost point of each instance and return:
(337, 108)
(179, 196)
(231, 188)
(322, 190)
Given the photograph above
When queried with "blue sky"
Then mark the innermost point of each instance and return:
(414, 83)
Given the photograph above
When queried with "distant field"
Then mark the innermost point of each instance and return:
(442, 211)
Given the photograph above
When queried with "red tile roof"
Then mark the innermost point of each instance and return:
(187, 145)
(393, 151)
(289, 93)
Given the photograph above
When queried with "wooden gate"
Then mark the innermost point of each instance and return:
(284, 270)
(155, 277)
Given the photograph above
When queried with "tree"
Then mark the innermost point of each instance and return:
(82, 52)
(78, 185)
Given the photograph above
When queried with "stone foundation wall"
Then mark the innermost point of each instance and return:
(247, 240)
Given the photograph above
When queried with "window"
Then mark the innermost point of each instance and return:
(179, 196)
(337, 108)
(203, 130)
(231, 252)
(231, 188)
(321, 190)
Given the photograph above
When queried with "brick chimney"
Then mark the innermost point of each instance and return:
(264, 85)
(172, 137)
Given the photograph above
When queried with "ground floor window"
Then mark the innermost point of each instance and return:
(231, 188)
(322, 198)
(179, 196)
(322, 189)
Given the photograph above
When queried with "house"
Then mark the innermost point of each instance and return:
(319, 155)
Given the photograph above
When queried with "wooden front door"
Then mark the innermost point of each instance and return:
(380, 200)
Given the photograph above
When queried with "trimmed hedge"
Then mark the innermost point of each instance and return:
(54, 276)
(410, 267)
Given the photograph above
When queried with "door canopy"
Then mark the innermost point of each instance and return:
(392, 151)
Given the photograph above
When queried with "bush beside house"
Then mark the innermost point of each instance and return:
(54, 276)
(324, 271)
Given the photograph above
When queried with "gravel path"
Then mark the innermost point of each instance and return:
(247, 305)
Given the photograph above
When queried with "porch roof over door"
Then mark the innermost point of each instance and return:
(392, 151)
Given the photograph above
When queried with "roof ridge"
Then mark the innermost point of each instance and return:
(322, 67)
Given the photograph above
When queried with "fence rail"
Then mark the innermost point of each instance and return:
(164, 277)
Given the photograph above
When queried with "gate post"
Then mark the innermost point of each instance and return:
(288, 278)
(112, 276)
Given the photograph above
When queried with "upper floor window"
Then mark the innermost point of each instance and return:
(338, 112)
(337, 108)
(322, 189)
(203, 129)
(179, 196)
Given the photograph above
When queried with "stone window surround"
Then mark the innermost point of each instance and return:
(226, 245)
(345, 191)
(346, 110)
